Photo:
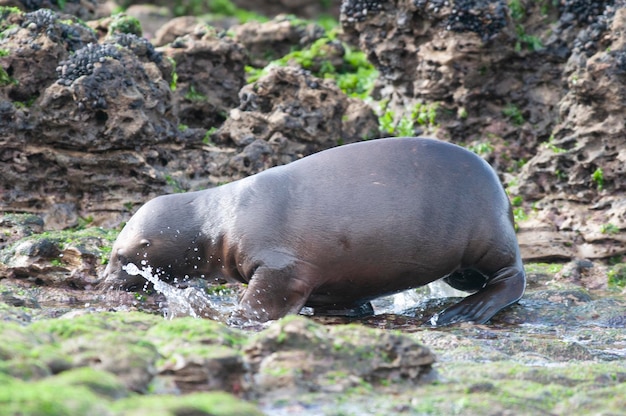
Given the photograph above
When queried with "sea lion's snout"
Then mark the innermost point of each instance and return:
(115, 277)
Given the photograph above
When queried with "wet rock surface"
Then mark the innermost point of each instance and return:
(561, 341)
(98, 116)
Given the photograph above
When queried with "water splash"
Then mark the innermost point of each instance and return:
(400, 303)
(184, 302)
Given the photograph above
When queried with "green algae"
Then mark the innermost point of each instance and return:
(543, 268)
(92, 323)
(518, 388)
(122, 23)
(617, 276)
(87, 391)
(95, 241)
(210, 404)
(355, 75)
(51, 396)
(196, 330)
(340, 364)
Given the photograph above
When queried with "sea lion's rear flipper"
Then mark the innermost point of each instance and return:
(504, 288)
(467, 280)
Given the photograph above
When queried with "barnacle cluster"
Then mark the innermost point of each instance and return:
(84, 60)
(432, 5)
(358, 10)
(600, 14)
(39, 20)
(38, 4)
(484, 17)
(584, 11)
(139, 46)
(620, 61)
(48, 22)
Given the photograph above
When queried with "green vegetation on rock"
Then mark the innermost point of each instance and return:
(543, 268)
(422, 115)
(122, 23)
(85, 391)
(209, 404)
(49, 397)
(6, 11)
(617, 276)
(598, 177)
(5, 79)
(355, 76)
(518, 13)
(514, 114)
(94, 240)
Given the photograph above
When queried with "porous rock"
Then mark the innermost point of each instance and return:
(476, 58)
(289, 113)
(119, 122)
(267, 41)
(41, 38)
(210, 71)
(426, 48)
(53, 261)
(578, 177)
(303, 8)
(297, 354)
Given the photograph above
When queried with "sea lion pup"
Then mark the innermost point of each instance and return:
(339, 228)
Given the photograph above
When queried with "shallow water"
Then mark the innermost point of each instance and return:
(195, 302)
(539, 312)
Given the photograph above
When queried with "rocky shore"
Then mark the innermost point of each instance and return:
(105, 105)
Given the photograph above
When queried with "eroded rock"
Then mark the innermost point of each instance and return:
(209, 74)
(578, 175)
(265, 42)
(288, 114)
(298, 354)
(40, 37)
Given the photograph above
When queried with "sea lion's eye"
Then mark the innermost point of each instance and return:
(144, 242)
